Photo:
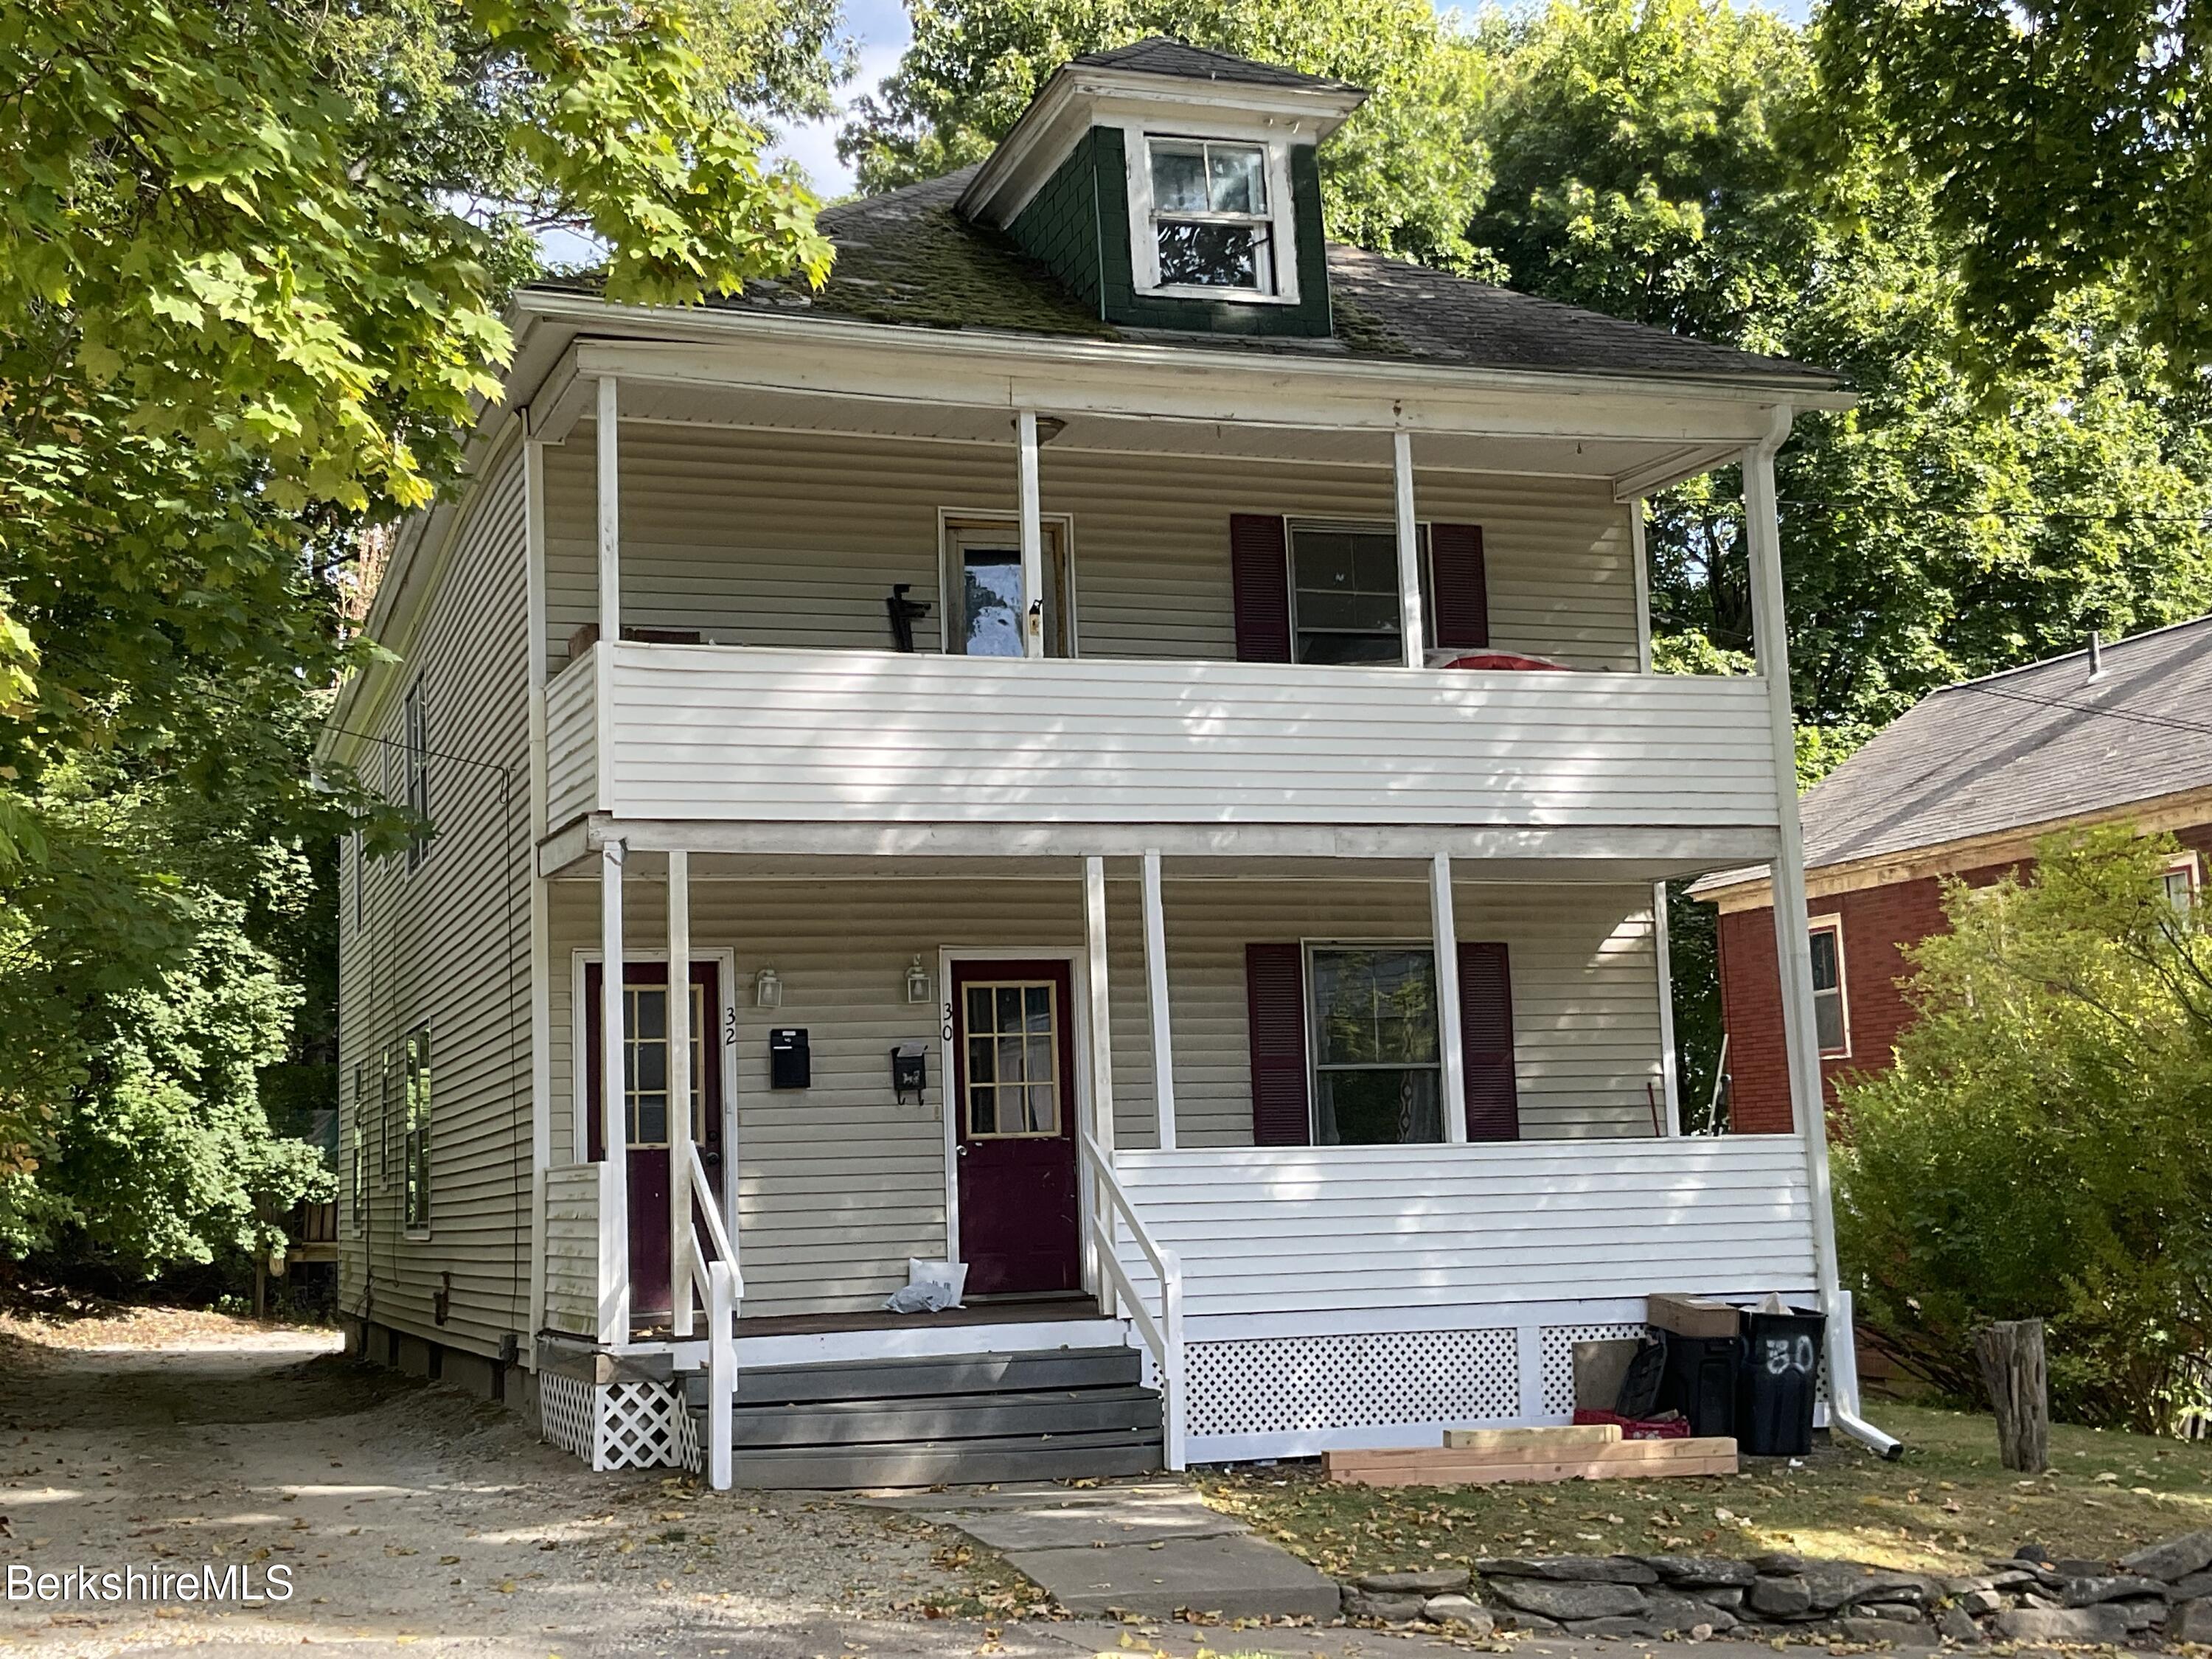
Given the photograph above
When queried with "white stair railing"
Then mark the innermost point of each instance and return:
(722, 1288)
(1163, 1335)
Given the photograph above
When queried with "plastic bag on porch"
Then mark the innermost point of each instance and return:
(931, 1286)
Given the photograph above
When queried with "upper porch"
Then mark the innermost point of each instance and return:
(776, 592)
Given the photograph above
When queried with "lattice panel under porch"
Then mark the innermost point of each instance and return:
(617, 1425)
(1293, 1384)
(1560, 1360)
(567, 1413)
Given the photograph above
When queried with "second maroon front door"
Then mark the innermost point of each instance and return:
(1013, 1100)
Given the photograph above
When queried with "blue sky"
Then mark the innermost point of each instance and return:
(880, 28)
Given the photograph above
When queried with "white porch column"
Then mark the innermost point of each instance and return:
(679, 1090)
(1670, 1084)
(1032, 507)
(1156, 997)
(1102, 1008)
(610, 449)
(1409, 548)
(1444, 928)
(1640, 554)
(541, 946)
(1793, 946)
(613, 1173)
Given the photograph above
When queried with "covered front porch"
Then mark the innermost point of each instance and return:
(1332, 1190)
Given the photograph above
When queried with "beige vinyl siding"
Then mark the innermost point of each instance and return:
(761, 538)
(447, 946)
(839, 1185)
(572, 1248)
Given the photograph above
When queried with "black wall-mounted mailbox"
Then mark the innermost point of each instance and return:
(790, 1063)
(910, 1073)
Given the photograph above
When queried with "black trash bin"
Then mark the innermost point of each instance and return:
(1775, 1387)
(1701, 1380)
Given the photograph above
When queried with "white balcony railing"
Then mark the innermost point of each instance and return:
(714, 731)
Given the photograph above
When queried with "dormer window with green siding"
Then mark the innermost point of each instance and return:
(1211, 223)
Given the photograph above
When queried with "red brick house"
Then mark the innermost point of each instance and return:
(1962, 786)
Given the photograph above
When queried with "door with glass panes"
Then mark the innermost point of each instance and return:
(1013, 1058)
(646, 1101)
(984, 603)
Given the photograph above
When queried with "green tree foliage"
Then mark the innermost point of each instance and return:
(1670, 163)
(1404, 175)
(2043, 1147)
(253, 255)
(2067, 147)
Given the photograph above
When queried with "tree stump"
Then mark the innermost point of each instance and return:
(2010, 1355)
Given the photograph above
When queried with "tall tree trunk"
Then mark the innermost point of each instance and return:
(2010, 1354)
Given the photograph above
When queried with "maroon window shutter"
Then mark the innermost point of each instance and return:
(1486, 1033)
(1275, 995)
(1461, 585)
(595, 1048)
(1259, 566)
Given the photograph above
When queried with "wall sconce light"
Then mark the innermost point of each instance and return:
(768, 990)
(917, 983)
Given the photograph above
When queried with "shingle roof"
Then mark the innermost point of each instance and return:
(2033, 746)
(1156, 54)
(906, 256)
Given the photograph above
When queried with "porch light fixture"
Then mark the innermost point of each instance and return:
(768, 990)
(917, 982)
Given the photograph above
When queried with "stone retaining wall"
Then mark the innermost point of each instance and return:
(2156, 1595)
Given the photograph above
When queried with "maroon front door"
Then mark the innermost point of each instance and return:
(644, 1073)
(1014, 1073)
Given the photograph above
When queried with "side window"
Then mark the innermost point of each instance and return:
(418, 771)
(1212, 224)
(2181, 884)
(415, 1166)
(360, 1173)
(1831, 1017)
(360, 904)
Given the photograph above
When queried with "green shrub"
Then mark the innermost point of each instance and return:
(2043, 1146)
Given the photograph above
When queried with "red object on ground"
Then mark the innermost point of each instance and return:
(1501, 659)
(1639, 1428)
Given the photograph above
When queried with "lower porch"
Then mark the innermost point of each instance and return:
(1331, 1185)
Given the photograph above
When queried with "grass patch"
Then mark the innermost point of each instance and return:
(1946, 1506)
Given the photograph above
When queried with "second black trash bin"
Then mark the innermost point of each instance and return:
(1780, 1373)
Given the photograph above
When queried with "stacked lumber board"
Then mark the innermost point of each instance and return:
(1477, 1457)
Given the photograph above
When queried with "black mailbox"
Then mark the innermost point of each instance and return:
(910, 1073)
(790, 1065)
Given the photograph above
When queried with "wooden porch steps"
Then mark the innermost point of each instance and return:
(1060, 1414)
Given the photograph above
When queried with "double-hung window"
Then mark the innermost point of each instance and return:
(416, 732)
(1376, 1075)
(416, 1162)
(1831, 1019)
(360, 1171)
(1212, 226)
(2181, 884)
(1345, 603)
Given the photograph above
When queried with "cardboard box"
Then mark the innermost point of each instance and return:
(1690, 1316)
(1599, 1367)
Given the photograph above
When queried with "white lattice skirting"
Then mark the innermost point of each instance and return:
(618, 1426)
(1286, 1393)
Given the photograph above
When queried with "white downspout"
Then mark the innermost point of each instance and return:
(1793, 945)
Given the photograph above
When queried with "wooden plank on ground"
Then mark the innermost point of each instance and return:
(1536, 1442)
(1623, 1460)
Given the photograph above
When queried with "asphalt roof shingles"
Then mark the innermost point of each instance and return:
(2039, 744)
(908, 257)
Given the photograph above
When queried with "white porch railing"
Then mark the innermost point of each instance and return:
(1339, 1229)
(1162, 1335)
(776, 735)
(718, 1284)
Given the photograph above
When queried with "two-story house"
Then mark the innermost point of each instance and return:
(1137, 725)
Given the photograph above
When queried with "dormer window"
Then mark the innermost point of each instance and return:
(1211, 224)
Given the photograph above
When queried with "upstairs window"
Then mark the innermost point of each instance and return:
(1212, 226)
(2181, 884)
(418, 773)
(1343, 592)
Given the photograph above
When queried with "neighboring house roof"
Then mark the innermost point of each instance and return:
(2034, 745)
(906, 257)
(1156, 54)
